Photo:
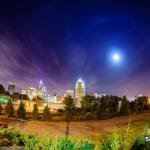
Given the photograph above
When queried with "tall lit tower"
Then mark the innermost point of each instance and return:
(80, 91)
(11, 87)
(41, 90)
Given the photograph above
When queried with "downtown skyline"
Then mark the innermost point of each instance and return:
(53, 42)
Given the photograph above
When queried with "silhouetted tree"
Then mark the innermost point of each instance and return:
(2, 89)
(46, 114)
(35, 114)
(124, 109)
(6, 93)
(87, 102)
(9, 108)
(21, 113)
(132, 106)
(102, 108)
(69, 108)
(69, 111)
(141, 104)
(113, 105)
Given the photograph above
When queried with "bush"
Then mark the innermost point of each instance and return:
(35, 114)
(21, 113)
(65, 144)
(9, 109)
(120, 139)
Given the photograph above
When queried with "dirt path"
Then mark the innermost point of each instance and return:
(93, 127)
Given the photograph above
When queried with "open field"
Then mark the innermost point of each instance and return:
(85, 128)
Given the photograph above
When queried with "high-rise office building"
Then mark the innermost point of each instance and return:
(30, 92)
(80, 91)
(41, 90)
(11, 87)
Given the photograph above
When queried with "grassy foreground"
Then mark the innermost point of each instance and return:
(134, 136)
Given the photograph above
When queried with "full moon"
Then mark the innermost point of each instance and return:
(116, 57)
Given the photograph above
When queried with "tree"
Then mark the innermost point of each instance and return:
(21, 113)
(87, 102)
(35, 114)
(132, 106)
(1, 109)
(7, 93)
(102, 108)
(124, 109)
(9, 108)
(141, 104)
(46, 114)
(69, 111)
(113, 105)
(69, 108)
(2, 89)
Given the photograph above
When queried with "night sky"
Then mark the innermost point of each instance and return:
(60, 41)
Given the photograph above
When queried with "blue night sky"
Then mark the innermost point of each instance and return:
(60, 41)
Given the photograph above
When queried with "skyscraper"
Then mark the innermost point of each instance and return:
(30, 92)
(80, 91)
(11, 87)
(41, 90)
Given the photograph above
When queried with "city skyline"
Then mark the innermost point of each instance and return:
(106, 44)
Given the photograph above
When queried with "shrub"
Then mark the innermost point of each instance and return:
(9, 108)
(86, 146)
(65, 144)
(21, 113)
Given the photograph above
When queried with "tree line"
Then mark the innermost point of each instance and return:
(21, 111)
(104, 107)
